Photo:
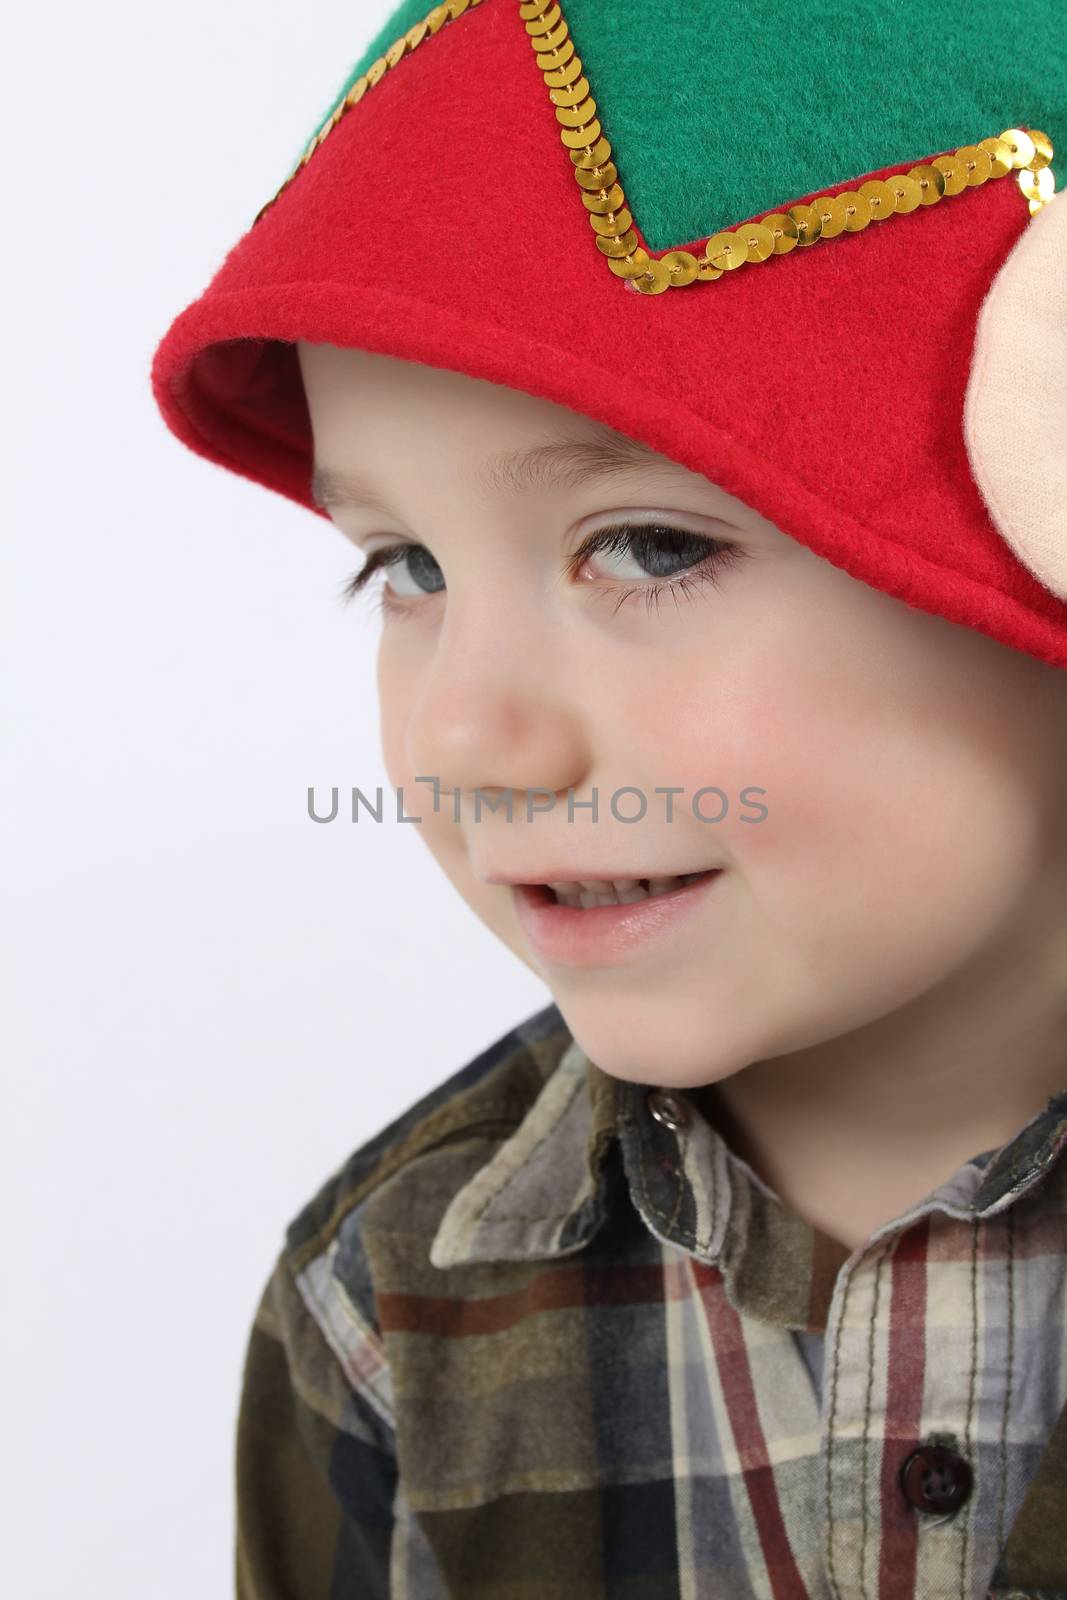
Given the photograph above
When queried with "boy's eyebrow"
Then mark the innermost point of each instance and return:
(556, 463)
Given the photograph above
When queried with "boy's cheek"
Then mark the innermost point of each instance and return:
(878, 807)
(446, 839)
(881, 790)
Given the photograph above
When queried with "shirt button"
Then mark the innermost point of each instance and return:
(935, 1478)
(668, 1108)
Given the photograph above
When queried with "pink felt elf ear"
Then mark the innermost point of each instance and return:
(1015, 413)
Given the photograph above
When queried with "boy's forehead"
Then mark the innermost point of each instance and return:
(534, 442)
(550, 448)
(370, 381)
(592, 454)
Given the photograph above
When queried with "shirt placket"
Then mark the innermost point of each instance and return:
(923, 1462)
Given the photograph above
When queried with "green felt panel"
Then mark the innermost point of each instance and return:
(717, 111)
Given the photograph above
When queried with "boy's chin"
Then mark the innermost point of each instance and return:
(655, 1050)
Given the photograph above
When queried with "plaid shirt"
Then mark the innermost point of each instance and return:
(546, 1336)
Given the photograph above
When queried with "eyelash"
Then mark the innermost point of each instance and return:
(615, 539)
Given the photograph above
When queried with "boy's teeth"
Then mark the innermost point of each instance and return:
(617, 892)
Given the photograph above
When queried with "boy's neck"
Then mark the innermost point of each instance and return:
(852, 1132)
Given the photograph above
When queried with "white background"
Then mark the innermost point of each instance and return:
(210, 1000)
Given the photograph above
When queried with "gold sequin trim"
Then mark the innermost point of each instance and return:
(1025, 151)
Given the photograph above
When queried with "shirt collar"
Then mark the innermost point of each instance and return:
(544, 1192)
(547, 1190)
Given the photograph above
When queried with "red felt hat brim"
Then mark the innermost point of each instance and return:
(440, 222)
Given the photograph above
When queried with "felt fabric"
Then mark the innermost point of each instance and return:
(718, 112)
(440, 222)
(1019, 371)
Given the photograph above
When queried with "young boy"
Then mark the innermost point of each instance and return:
(738, 1270)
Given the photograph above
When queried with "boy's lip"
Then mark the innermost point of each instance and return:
(609, 935)
(576, 875)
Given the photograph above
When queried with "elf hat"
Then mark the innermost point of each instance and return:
(806, 249)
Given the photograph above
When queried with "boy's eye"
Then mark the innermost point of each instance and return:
(645, 550)
(417, 571)
(672, 558)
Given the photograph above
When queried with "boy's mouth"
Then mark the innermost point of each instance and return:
(588, 893)
(612, 921)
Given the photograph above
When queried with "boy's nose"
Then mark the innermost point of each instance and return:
(493, 714)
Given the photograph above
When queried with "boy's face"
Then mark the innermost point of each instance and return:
(912, 770)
